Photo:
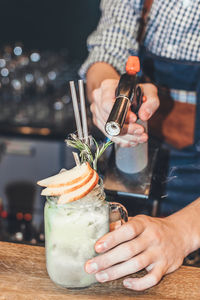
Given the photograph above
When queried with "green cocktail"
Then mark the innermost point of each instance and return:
(71, 231)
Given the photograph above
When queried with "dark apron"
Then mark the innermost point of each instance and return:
(179, 172)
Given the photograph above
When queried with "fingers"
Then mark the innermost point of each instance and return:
(104, 96)
(100, 117)
(152, 101)
(96, 95)
(125, 233)
(149, 280)
(119, 254)
(131, 266)
(130, 117)
(132, 128)
(124, 140)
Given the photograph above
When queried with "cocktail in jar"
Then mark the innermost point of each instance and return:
(76, 216)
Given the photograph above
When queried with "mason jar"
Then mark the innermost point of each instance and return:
(71, 231)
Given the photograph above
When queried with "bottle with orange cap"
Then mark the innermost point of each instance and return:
(128, 95)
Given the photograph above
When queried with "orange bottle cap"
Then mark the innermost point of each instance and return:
(133, 65)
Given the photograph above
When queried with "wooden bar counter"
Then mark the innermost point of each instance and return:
(23, 276)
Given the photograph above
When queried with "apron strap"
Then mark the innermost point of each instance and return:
(143, 20)
(197, 121)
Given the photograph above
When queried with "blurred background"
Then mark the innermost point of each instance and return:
(49, 25)
(42, 46)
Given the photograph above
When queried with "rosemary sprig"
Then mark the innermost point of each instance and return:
(86, 152)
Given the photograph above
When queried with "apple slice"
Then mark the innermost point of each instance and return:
(62, 189)
(80, 192)
(67, 177)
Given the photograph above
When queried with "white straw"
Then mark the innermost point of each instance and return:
(83, 110)
(76, 110)
(76, 158)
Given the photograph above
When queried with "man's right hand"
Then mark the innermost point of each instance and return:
(132, 133)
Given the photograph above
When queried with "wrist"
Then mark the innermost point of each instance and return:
(187, 225)
(97, 73)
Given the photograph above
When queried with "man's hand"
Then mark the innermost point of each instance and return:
(158, 245)
(132, 133)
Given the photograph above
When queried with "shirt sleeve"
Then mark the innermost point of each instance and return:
(115, 37)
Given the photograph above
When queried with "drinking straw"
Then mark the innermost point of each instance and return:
(83, 110)
(76, 110)
(76, 158)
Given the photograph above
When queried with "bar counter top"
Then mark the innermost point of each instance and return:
(23, 276)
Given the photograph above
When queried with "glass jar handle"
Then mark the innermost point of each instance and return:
(118, 215)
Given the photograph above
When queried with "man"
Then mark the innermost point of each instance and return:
(170, 58)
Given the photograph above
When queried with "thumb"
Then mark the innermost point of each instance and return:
(151, 103)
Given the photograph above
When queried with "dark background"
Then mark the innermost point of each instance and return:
(49, 24)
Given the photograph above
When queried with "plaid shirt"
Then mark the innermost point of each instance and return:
(172, 31)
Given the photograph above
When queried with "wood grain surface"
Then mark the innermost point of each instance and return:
(23, 276)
